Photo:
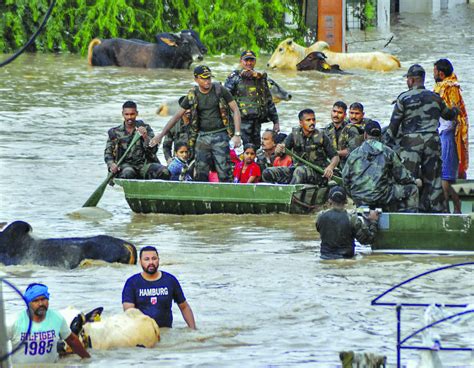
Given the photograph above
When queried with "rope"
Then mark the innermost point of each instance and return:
(30, 41)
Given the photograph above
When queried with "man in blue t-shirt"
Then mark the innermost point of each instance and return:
(153, 292)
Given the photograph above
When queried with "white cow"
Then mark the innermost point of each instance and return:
(289, 53)
(127, 329)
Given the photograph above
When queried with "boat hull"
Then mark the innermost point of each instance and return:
(425, 233)
(195, 198)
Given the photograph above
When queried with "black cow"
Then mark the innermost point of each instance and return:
(316, 60)
(17, 246)
(172, 50)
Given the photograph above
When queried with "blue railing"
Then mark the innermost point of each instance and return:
(400, 341)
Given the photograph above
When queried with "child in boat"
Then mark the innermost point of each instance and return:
(247, 171)
(179, 167)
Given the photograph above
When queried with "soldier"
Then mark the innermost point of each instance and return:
(413, 133)
(210, 105)
(374, 176)
(338, 228)
(266, 154)
(179, 133)
(141, 162)
(352, 135)
(338, 116)
(312, 145)
(250, 89)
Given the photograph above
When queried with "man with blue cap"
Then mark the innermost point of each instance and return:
(47, 327)
(338, 228)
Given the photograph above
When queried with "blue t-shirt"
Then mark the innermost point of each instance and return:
(154, 298)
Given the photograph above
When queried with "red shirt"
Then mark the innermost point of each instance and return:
(283, 161)
(243, 177)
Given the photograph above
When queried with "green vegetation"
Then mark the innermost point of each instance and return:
(225, 26)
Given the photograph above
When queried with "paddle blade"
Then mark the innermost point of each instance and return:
(95, 197)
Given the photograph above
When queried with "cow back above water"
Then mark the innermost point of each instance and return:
(126, 329)
(172, 50)
(18, 246)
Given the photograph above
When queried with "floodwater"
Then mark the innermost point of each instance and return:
(260, 294)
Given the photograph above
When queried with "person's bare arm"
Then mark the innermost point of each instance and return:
(76, 346)
(188, 315)
(236, 114)
(329, 170)
(127, 306)
(156, 140)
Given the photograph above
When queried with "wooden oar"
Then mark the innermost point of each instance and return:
(319, 169)
(99, 192)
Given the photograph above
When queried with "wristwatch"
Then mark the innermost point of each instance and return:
(238, 134)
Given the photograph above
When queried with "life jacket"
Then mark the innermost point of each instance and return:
(310, 148)
(251, 96)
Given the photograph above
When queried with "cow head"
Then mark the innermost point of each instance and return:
(194, 34)
(286, 55)
(315, 60)
(277, 92)
(191, 45)
(78, 321)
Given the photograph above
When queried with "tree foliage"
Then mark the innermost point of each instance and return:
(225, 26)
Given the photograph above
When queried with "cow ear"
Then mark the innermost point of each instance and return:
(168, 41)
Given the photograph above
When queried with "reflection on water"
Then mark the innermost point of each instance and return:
(260, 294)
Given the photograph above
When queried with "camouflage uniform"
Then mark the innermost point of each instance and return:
(375, 176)
(211, 129)
(316, 148)
(141, 162)
(413, 133)
(334, 133)
(352, 136)
(179, 133)
(263, 161)
(255, 104)
(338, 228)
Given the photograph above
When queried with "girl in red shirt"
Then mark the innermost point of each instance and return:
(247, 171)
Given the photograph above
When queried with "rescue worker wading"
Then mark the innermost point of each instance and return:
(250, 89)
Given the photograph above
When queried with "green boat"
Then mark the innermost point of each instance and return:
(196, 198)
(430, 233)
(398, 232)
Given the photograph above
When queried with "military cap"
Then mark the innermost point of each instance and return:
(373, 128)
(248, 54)
(337, 194)
(203, 72)
(416, 70)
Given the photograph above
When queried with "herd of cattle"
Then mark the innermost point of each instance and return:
(180, 50)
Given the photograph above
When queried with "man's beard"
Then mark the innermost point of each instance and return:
(40, 311)
(151, 269)
(438, 79)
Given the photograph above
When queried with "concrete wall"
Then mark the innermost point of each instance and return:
(427, 6)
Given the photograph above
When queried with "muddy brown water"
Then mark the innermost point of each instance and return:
(259, 292)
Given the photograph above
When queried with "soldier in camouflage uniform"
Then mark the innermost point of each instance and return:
(250, 89)
(413, 133)
(181, 132)
(338, 228)
(333, 130)
(352, 136)
(211, 127)
(141, 162)
(374, 176)
(310, 144)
